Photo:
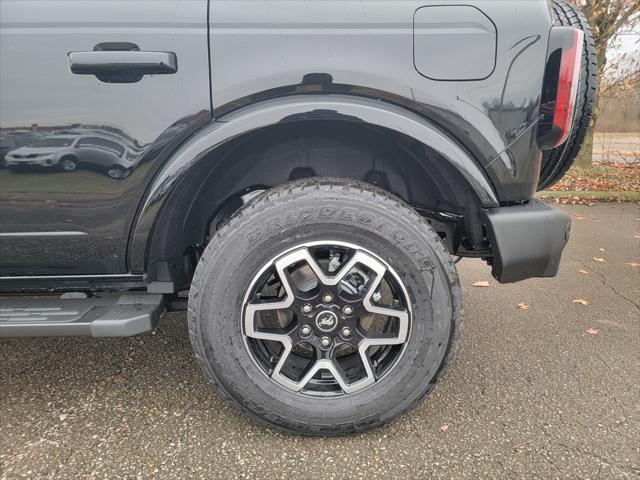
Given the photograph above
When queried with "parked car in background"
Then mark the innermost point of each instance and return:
(69, 152)
(13, 140)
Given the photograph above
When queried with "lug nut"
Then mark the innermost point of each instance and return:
(347, 309)
(345, 332)
(306, 308)
(325, 342)
(305, 330)
(327, 298)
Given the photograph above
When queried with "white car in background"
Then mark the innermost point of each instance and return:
(69, 152)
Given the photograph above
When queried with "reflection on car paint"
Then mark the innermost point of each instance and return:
(68, 150)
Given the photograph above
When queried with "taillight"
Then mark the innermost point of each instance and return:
(561, 78)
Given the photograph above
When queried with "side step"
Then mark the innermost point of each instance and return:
(122, 316)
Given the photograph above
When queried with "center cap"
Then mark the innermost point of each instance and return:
(326, 320)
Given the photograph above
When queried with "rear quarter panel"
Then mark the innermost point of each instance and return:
(262, 49)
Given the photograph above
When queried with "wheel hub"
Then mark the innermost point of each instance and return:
(326, 321)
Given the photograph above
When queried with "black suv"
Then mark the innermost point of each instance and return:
(300, 176)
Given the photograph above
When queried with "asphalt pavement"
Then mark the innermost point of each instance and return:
(546, 390)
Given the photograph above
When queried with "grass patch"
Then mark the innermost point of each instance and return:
(603, 182)
(605, 196)
(40, 182)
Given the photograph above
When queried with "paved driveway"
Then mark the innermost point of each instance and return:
(531, 395)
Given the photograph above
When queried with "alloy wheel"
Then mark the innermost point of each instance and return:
(326, 318)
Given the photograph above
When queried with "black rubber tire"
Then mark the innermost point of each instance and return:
(121, 175)
(557, 161)
(317, 209)
(71, 161)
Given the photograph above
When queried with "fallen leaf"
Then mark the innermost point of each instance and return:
(582, 270)
(598, 259)
(636, 236)
(444, 428)
(482, 283)
(581, 301)
(522, 306)
(578, 216)
(634, 264)
(593, 331)
(602, 249)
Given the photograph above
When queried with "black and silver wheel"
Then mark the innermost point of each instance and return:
(316, 322)
(68, 164)
(324, 307)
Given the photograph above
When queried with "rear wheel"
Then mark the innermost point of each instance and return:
(118, 173)
(557, 161)
(68, 164)
(324, 307)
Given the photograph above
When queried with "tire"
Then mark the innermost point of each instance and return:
(305, 216)
(68, 164)
(118, 173)
(556, 162)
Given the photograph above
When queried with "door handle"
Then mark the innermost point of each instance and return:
(113, 66)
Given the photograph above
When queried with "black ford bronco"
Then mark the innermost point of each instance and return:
(298, 175)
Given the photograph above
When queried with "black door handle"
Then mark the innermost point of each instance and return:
(114, 66)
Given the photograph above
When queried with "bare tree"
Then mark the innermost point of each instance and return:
(608, 19)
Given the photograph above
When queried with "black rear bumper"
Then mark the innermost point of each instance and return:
(526, 240)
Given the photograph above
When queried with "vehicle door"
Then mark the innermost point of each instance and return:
(57, 77)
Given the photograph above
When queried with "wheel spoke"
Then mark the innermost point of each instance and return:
(401, 314)
(327, 280)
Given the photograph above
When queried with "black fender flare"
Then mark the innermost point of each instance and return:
(291, 109)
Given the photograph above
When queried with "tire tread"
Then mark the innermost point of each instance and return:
(557, 161)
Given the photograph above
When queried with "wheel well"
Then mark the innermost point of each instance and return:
(227, 177)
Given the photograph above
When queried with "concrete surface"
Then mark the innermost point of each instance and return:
(531, 395)
(616, 147)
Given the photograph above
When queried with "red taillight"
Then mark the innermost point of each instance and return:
(568, 78)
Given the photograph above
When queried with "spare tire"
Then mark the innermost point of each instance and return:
(557, 161)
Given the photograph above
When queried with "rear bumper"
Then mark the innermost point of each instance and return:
(526, 240)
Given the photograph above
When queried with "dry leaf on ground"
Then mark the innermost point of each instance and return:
(522, 306)
(593, 331)
(581, 301)
(602, 249)
(604, 177)
(582, 270)
(444, 428)
(598, 259)
(482, 283)
(634, 264)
